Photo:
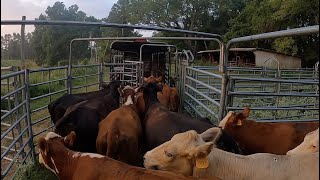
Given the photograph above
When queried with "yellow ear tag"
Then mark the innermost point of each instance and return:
(202, 163)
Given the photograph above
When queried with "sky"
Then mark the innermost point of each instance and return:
(15, 9)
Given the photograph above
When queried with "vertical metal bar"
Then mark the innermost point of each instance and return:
(17, 113)
(23, 63)
(49, 85)
(28, 110)
(224, 81)
(100, 77)
(69, 78)
(86, 78)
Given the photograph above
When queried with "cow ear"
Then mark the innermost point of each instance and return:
(43, 146)
(226, 119)
(137, 89)
(159, 79)
(235, 120)
(246, 112)
(145, 79)
(120, 91)
(70, 139)
(200, 155)
(212, 135)
(159, 87)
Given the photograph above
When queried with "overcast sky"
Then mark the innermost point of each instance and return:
(15, 9)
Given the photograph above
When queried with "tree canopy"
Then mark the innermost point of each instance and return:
(51, 43)
(230, 18)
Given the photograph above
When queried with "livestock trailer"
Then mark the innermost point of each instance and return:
(273, 94)
(155, 57)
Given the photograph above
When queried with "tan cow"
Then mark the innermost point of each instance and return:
(190, 153)
(121, 132)
(264, 137)
(71, 165)
(309, 145)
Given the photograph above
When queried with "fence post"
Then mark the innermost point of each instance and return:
(23, 63)
(100, 75)
(28, 110)
(224, 82)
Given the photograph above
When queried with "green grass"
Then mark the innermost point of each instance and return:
(34, 171)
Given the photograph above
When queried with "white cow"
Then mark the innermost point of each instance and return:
(310, 144)
(190, 153)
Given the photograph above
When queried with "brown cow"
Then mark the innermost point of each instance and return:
(160, 124)
(120, 132)
(263, 137)
(169, 96)
(71, 165)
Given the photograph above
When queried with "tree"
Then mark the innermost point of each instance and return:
(120, 13)
(51, 43)
(260, 16)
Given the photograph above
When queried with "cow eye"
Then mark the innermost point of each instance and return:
(314, 146)
(168, 154)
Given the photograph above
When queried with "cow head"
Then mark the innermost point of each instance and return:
(50, 145)
(152, 79)
(128, 94)
(235, 120)
(184, 152)
(310, 144)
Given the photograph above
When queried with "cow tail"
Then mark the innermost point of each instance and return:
(112, 147)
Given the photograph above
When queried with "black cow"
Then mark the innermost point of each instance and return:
(58, 107)
(84, 118)
(160, 124)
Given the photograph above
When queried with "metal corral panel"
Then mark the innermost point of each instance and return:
(285, 61)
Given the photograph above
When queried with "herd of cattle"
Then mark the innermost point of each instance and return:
(147, 138)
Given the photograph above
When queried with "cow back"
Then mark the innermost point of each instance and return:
(160, 125)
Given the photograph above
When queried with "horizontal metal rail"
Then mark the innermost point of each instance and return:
(283, 117)
(194, 109)
(46, 129)
(6, 76)
(48, 82)
(49, 94)
(282, 120)
(201, 104)
(87, 85)
(203, 84)
(40, 120)
(273, 108)
(103, 24)
(39, 109)
(15, 157)
(4, 134)
(48, 69)
(277, 34)
(273, 94)
(85, 76)
(12, 92)
(14, 141)
(311, 82)
(203, 95)
(14, 109)
(205, 72)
